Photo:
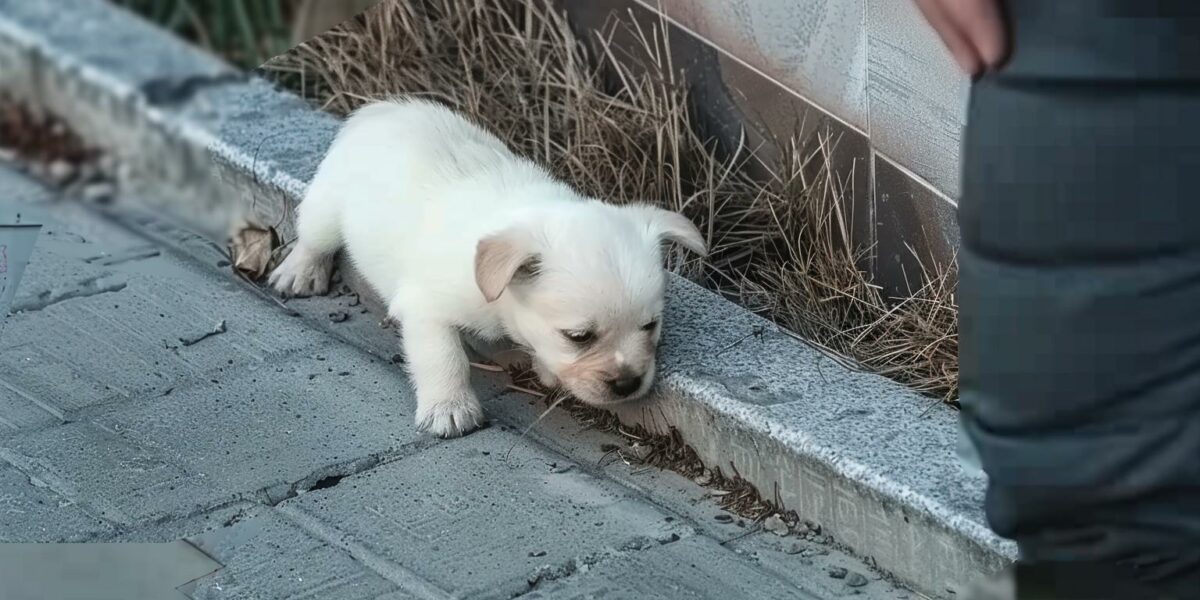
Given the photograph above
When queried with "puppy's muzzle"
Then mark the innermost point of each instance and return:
(625, 386)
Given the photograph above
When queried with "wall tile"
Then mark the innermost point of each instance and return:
(917, 94)
(817, 48)
(915, 226)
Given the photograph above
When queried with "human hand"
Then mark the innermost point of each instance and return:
(973, 30)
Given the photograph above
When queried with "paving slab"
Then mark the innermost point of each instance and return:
(487, 514)
(267, 556)
(260, 434)
(100, 571)
(103, 316)
(806, 563)
(32, 512)
(689, 569)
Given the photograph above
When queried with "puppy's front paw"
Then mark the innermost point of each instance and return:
(302, 273)
(450, 417)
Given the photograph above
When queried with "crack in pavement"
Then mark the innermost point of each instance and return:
(92, 286)
(125, 257)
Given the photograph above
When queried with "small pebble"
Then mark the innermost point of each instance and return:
(343, 373)
(107, 164)
(639, 451)
(98, 192)
(338, 317)
(667, 539)
(838, 573)
(397, 359)
(87, 172)
(775, 524)
(638, 543)
(704, 479)
(794, 549)
(856, 580)
(723, 518)
(61, 171)
(538, 554)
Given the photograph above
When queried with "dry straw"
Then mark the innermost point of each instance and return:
(628, 134)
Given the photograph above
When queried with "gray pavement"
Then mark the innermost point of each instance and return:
(283, 447)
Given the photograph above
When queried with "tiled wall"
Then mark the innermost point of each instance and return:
(871, 71)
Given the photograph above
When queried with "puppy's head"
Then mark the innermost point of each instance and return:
(582, 286)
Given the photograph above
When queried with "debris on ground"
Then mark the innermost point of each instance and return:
(43, 146)
(40, 139)
(190, 341)
(339, 316)
(668, 451)
(838, 572)
(638, 452)
(856, 580)
(775, 524)
(252, 248)
(100, 192)
(665, 451)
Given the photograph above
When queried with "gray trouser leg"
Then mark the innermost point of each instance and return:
(1080, 305)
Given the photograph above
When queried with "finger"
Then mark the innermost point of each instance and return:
(982, 23)
(963, 51)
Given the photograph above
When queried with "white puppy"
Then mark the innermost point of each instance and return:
(457, 233)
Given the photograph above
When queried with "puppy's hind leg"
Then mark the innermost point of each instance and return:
(308, 267)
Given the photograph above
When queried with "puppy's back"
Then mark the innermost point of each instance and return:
(425, 135)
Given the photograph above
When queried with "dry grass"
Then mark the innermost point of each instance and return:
(778, 246)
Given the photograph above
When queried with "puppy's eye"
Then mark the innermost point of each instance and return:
(579, 337)
(650, 326)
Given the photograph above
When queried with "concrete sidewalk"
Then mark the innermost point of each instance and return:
(147, 395)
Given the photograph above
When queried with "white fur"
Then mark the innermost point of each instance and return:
(437, 214)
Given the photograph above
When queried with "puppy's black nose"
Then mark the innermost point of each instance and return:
(624, 386)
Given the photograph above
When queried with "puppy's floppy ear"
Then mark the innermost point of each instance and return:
(501, 257)
(670, 226)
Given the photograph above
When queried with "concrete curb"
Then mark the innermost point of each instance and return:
(867, 459)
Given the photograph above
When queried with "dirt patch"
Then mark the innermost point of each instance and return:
(42, 145)
(667, 451)
(38, 137)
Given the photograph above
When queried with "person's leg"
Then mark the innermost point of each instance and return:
(1079, 303)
